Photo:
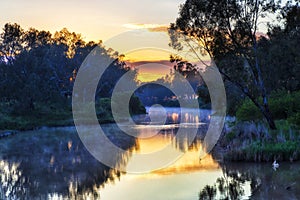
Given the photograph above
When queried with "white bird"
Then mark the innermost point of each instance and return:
(275, 165)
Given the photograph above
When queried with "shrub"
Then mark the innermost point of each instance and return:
(282, 105)
(136, 107)
(295, 119)
(230, 136)
(248, 112)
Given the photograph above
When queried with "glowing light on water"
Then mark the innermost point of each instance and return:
(175, 117)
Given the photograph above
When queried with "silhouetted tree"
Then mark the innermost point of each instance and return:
(227, 32)
(11, 41)
(38, 68)
(279, 53)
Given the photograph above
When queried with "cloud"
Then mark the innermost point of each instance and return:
(150, 27)
(159, 29)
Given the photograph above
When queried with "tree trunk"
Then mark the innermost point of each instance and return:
(264, 109)
(267, 114)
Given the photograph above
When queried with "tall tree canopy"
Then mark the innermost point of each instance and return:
(38, 68)
(227, 30)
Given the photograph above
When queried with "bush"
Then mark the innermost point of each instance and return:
(136, 107)
(295, 119)
(282, 105)
(230, 136)
(248, 112)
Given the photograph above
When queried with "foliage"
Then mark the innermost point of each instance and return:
(227, 31)
(203, 94)
(282, 104)
(135, 106)
(282, 66)
(208, 192)
(37, 73)
(248, 112)
(104, 112)
(43, 116)
(295, 119)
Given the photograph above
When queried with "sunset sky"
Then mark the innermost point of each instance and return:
(105, 20)
(94, 19)
(99, 20)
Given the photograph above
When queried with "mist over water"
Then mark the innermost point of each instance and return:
(52, 163)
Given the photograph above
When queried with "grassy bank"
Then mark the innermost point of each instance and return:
(54, 116)
(28, 121)
(250, 141)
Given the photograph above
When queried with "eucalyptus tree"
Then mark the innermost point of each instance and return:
(226, 30)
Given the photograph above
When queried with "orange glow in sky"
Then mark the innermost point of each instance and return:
(152, 64)
(152, 70)
(147, 55)
(105, 20)
(94, 19)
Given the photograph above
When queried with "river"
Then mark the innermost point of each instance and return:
(52, 163)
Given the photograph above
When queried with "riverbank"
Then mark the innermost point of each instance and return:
(45, 115)
(35, 120)
(254, 142)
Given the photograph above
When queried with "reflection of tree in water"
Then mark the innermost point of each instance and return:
(229, 186)
(269, 184)
(186, 141)
(52, 163)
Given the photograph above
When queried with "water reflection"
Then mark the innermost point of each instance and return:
(231, 185)
(53, 164)
(190, 161)
(176, 116)
(255, 181)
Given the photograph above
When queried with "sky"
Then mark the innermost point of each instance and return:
(94, 19)
(116, 22)
(101, 20)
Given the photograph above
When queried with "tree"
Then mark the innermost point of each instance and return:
(35, 38)
(11, 41)
(40, 69)
(226, 30)
(291, 14)
(282, 66)
(72, 41)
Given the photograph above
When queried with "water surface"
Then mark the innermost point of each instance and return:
(52, 163)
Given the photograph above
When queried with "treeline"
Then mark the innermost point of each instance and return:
(37, 73)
